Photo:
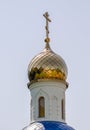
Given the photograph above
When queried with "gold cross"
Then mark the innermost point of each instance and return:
(46, 15)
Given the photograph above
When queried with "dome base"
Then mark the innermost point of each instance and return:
(48, 125)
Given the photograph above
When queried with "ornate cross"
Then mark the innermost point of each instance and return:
(46, 15)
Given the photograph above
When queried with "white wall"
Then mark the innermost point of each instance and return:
(53, 91)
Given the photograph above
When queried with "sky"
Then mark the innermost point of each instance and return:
(22, 33)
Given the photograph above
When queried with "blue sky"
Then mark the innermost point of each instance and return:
(22, 36)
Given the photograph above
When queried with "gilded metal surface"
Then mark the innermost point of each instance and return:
(47, 64)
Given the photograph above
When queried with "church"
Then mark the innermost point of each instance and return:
(47, 74)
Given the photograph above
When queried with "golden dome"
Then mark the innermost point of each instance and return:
(47, 65)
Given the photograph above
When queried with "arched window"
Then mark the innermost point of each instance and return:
(62, 109)
(41, 105)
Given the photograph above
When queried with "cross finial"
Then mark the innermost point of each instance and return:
(46, 15)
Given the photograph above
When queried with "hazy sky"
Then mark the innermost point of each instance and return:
(22, 36)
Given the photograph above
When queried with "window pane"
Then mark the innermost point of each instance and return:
(62, 109)
(41, 107)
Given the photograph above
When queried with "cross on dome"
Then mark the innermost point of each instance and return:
(46, 15)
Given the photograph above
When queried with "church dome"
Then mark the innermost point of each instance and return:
(47, 65)
(48, 125)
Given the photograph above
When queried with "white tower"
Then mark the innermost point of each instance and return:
(47, 73)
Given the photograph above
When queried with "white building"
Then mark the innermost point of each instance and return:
(47, 73)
